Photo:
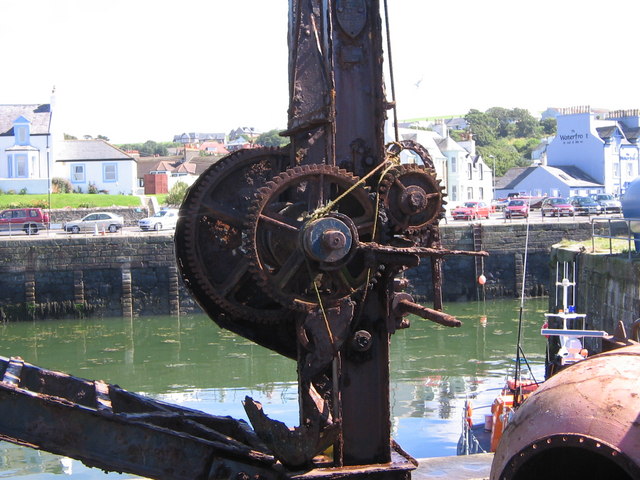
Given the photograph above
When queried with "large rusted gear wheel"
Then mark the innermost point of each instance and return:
(412, 197)
(209, 235)
(304, 231)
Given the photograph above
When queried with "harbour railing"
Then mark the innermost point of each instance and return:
(616, 228)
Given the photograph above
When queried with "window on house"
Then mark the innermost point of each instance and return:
(20, 166)
(454, 193)
(469, 171)
(616, 169)
(110, 172)
(77, 173)
(469, 193)
(629, 169)
(453, 164)
(21, 135)
(481, 170)
(480, 193)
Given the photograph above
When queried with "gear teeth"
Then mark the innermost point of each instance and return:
(423, 176)
(195, 261)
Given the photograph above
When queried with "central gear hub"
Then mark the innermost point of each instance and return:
(413, 200)
(328, 240)
(305, 229)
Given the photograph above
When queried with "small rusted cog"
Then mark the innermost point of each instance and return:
(412, 197)
(209, 234)
(304, 231)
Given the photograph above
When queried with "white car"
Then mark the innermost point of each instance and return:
(101, 221)
(161, 220)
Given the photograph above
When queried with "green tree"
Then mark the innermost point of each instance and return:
(549, 126)
(525, 146)
(103, 137)
(526, 125)
(271, 139)
(503, 155)
(177, 193)
(504, 116)
(483, 127)
(149, 148)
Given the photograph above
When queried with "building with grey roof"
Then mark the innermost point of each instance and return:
(25, 148)
(96, 165)
(543, 180)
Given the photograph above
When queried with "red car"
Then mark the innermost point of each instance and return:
(471, 211)
(556, 207)
(29, 220)
(517, 208)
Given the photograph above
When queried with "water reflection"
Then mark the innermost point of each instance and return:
(192, 362)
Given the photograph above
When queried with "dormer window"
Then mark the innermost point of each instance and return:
(21, 131)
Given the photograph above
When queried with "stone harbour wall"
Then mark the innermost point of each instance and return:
(504, 266)
(104, 275)
(118, 275)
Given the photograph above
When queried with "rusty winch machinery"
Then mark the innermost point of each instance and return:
(301, 249)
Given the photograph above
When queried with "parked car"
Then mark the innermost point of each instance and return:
(102, 221)
(556, 207)
(585, 206)
(517, 208)
(471, 210)
(499, 204)
(608, 202)
(162, 219)
(28, 220)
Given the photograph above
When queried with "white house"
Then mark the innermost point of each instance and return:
(98, 164)
(25, 148)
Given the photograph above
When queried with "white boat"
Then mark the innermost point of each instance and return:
(565, 329)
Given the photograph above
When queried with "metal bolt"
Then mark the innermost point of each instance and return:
(361, 341)
(334, 239)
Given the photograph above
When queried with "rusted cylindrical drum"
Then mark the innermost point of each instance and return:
(582, 423)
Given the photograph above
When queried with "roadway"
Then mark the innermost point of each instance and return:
(496, 218)
(535, 216)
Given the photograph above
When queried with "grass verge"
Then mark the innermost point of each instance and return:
(72, 200)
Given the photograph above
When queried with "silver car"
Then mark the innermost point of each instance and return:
(161, 220)
(608, 202)
(99, 221)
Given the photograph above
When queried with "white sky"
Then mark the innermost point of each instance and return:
(137, 70)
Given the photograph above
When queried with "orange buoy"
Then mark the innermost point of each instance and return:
(482, 279)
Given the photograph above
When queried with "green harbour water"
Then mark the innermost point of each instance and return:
(191, 362)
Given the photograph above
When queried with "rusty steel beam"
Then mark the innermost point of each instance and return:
(109, 428)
